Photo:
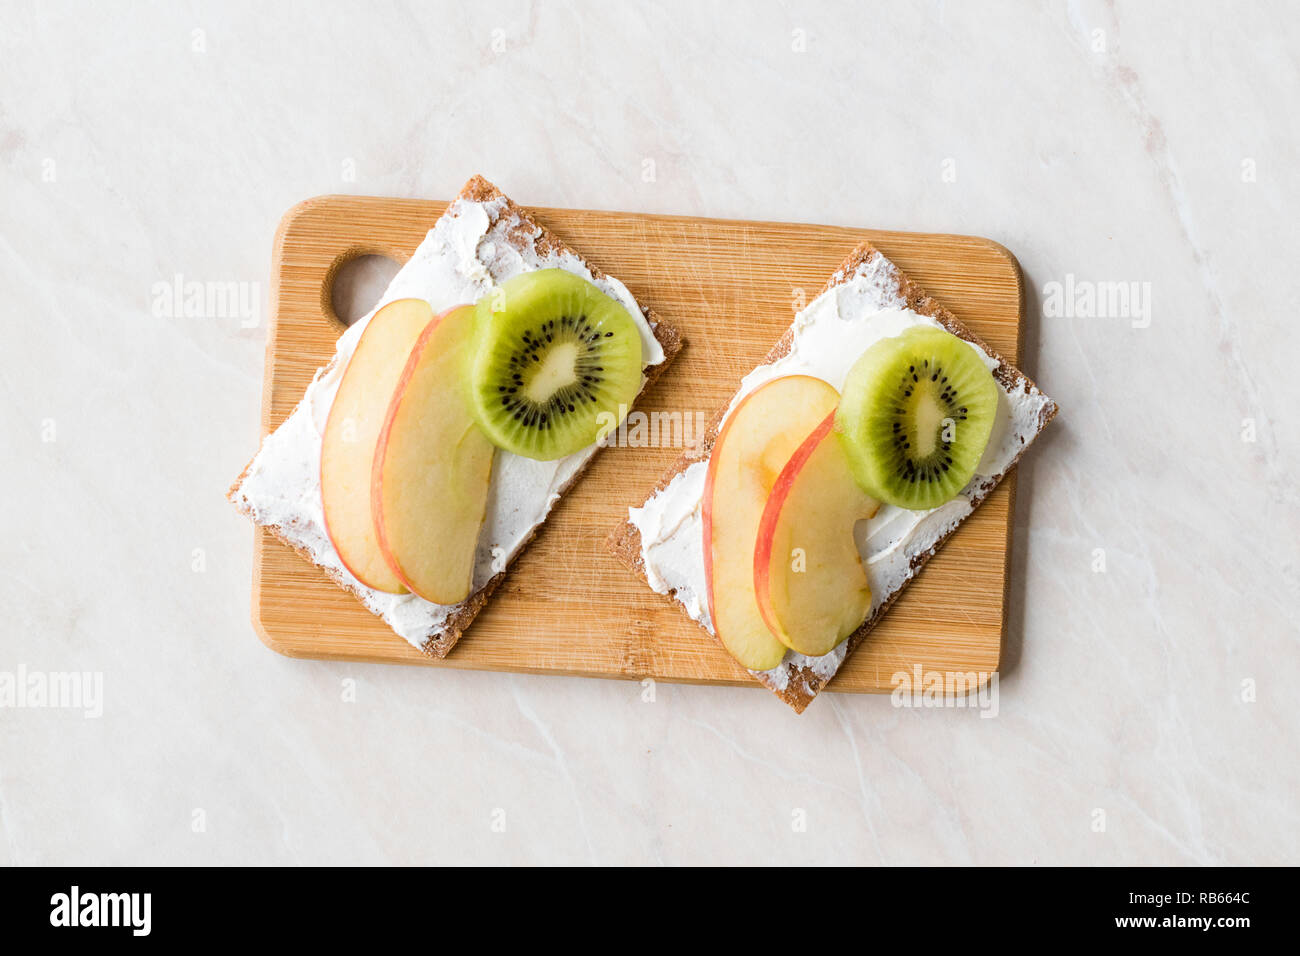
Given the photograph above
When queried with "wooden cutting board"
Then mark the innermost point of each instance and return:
(567, 607)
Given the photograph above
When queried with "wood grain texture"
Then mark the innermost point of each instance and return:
(567, 606)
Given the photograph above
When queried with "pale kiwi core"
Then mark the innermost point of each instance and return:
(560, 368)
(928, 417)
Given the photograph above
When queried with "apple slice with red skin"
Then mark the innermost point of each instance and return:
(432, 466)
(811, 586)
(755, 442)
(352, 431)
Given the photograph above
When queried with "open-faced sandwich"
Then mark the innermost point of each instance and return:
(424, 457)
(873, 428)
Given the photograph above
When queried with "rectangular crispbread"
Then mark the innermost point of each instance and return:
(528, 235)
(799, 685)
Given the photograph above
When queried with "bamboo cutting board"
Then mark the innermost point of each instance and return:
(566, 606)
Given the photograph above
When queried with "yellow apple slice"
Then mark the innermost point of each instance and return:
(756, 441)
(432, 465)
(352, 430)
(812, 588)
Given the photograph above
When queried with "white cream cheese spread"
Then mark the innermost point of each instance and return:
(829, 336)
(473, 247)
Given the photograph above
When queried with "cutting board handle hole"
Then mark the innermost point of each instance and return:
(354, 285)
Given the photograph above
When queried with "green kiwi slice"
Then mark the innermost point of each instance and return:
(915, 416)
(556, 364)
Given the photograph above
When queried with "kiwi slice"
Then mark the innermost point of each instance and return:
(556, 364)
(915, 416)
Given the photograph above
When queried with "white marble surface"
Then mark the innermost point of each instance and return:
(139, 144)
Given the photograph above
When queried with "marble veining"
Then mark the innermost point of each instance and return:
(1143, 712)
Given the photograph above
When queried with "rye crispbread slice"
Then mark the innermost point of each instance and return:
(802, 684)
(529, 234)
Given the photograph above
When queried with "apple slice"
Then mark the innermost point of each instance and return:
(756, 440)
(352, 430)
(432, 465)
(812, 588)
